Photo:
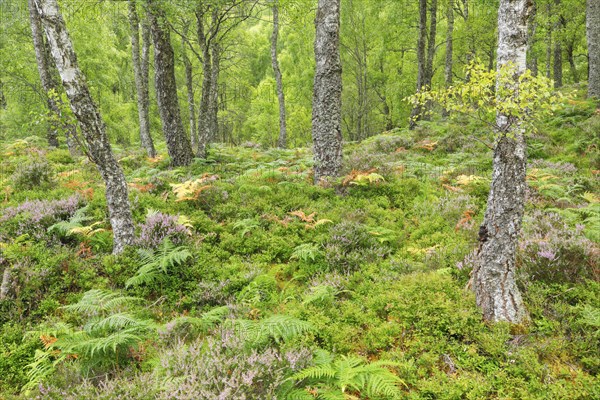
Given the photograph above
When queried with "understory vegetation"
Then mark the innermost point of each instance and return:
(249, 282)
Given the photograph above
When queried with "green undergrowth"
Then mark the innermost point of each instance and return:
(358, 289)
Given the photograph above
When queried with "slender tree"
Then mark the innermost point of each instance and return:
(549, 41)
(593, 44)
(50, 85)
(532, 62)
(178, 144)
(140, 71)
(93, 128)
(558, 60)
(282, 140)
(494, 272)
(204, 38)
(189, 84)
(449, 47)
(213, 104)
(431, 43)
(327, 92)
(421, 60)
(215, 21)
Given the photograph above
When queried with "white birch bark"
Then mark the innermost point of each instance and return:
(90, 121)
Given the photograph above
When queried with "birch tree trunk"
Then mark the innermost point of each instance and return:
(593, 45)
(282, 140)
(327, 92)
(449, 48)
(6, 282)
(141, 78)
(203, 112)
(494, 272)
(50, 86)
(548, 42)
(48, 83)
(189, 84)
(178, 144)
(570, 50)
(90, 121)
(531, 56)
(431, 43)
(558, 61)
(415, 114)
(213, 105)
(3, 104)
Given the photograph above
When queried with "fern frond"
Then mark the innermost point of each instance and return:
(96, 301)
(282, 327)
(104, 344)
(206, 321)
(157, 263)
(319, 372)
(299, 394)
(116, 321)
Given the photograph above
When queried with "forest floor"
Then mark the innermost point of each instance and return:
(243, 245)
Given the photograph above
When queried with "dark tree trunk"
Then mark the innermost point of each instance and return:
(431, 43)
(548, 42)
(494, 272)
(570, 50)
(178, 144)
(282, 140)
(421, 61)
(213, 107)
(90, 121)
(558, 63)
(532, 63)
(204, 112)
(189, 83)
(593, 45)
(449, 47)
(327, 92)
(140, 72)
(3, 104)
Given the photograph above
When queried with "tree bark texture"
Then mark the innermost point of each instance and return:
(494, 272)
(203, 112)
(90, 121)
(282, 139)
(593, 45)
(50, 85)
(558, 60)
(449, 48)
(531, 57)
(178, 144)
(189, 84)
(431, 43)
(415, 114)
(548, 42)
(141, 78)
(213, 105)
(327, 92)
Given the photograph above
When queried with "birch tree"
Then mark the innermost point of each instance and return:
(593, 44)
(327, 92)
(92, 126)
(282, 140)
(50, 85)
(511, 100)
(140, 71)
(494, 282)
(178, 144)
